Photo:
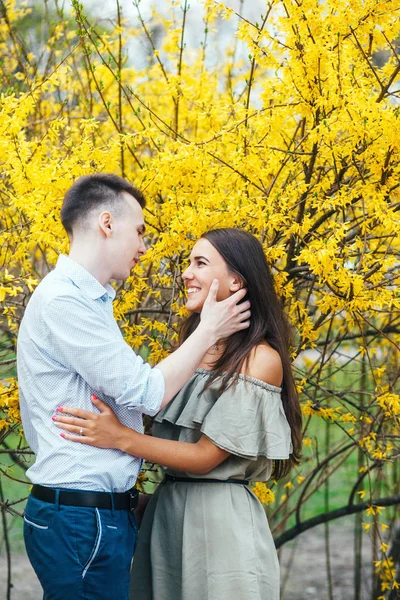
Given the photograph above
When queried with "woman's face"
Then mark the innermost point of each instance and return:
(207, 264)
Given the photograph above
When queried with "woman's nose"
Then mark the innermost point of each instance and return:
(187, 274)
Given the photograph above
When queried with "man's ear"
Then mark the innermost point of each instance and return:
(106, 223)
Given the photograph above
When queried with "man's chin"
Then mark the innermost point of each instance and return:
(122, 276)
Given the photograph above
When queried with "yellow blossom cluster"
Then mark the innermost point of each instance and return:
(297, 143)
(9, 403)
(264, 493)
(387, 573)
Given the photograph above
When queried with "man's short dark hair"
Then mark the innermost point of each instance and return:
(91, 191)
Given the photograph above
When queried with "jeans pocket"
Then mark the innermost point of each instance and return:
(39, 534)
(96, 546)
(33, 522)
(38, 514)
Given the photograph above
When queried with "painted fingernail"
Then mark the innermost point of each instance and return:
(60, 408)
(62, 435)
(54, 418)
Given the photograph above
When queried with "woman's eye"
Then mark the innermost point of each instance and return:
(200, 263)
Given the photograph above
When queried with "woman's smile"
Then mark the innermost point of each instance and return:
(206, 264)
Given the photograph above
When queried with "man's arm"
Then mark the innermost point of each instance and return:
(86, 345)
(85, 342)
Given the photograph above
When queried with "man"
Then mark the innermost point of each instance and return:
(79, 529)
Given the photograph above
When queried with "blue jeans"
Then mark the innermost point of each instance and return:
(78, 552)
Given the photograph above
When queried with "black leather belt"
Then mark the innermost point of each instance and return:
(124, 501)
(169, 477)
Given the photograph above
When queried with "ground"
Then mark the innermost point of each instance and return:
(306, 577)
(303, 579)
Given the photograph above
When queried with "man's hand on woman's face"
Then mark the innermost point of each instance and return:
(226, 317)
(94, 429)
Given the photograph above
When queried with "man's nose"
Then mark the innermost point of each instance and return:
(142, 248)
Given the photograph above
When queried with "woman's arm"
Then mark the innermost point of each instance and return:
(200, 458)
(105, 431)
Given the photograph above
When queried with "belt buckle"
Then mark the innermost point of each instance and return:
(133, 500)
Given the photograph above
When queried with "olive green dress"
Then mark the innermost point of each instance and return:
(211, 541)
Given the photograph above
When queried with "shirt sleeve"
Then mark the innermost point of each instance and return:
(80, 340)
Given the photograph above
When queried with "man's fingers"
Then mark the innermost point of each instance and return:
(244, 306)
(213, 291)
(245, 316)
(238, 295)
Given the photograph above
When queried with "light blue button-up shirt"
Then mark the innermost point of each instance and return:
(70, 346)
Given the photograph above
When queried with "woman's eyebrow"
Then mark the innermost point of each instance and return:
(200, 258)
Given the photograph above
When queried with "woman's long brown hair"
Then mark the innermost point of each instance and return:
(245, 258)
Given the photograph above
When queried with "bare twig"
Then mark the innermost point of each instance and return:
(302, 526)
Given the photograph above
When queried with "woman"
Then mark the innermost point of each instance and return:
(204, 534)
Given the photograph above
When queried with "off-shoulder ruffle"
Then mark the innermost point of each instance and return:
(247, 420)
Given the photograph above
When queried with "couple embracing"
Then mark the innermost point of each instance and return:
(225, 406)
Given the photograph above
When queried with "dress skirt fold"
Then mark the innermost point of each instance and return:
(211, 541)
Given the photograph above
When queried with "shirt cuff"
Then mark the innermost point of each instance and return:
(155, 392)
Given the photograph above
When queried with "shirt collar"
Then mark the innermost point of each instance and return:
(83, 279)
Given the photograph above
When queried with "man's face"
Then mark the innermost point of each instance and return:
(126, 243)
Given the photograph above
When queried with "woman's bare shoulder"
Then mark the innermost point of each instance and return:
(265, 364)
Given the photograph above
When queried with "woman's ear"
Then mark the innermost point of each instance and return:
(235, 285)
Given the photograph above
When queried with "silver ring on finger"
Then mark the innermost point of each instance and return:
(80, 430)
